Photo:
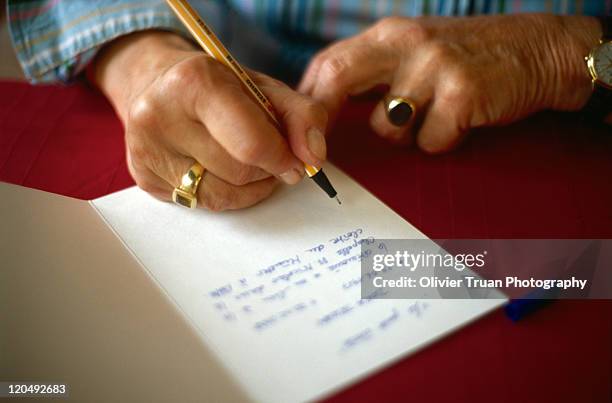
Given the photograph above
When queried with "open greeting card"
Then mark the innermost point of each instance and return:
(272, 292)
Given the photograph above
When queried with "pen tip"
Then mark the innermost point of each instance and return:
(338, 200)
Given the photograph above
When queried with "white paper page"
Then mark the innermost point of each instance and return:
(274, 289)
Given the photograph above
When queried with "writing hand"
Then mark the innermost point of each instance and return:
(179, 105)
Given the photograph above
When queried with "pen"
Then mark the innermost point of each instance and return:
(517, 309)
(213, 46)
(538, 298)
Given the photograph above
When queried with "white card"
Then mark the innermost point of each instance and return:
(274, 289)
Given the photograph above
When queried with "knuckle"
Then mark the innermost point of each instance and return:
(143, 112)
(316, 111)
(437, 53)
(396, 28)
(455, 85)
(334, 67)
(250, 152)
(219, 201)
(196, 72)
(205, 200)
(184, 74)
(244, 175)
(308, 110)
(318, 60)
(387, 27)
(210, 72)
(418, 31)
(459, 88)
(210, 203)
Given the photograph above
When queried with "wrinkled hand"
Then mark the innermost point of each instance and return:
(461, 73)
(179, 105)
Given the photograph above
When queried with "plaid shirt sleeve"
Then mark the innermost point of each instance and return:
(55, 39)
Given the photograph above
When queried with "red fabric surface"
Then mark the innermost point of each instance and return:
(548, 177)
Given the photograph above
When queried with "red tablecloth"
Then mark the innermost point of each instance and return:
(548, 177)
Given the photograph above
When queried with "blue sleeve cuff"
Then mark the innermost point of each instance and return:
(55, 40)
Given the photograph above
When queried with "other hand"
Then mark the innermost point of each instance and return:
(461, 73)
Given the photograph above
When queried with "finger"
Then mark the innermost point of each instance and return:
(303, 119)
(148, 181)
(413, 82)
(213, 192)
(452, 110)
(449, 117)
(247, 134)
(443, 129)
(217, 195)
(394, 33)
(195, 140)
(169, 166)
(235, 120)
(347, 69)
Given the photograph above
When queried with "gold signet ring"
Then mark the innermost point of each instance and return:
(399, 110)
(186, 193)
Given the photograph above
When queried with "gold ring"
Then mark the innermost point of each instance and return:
(399, 110)
(186, 193)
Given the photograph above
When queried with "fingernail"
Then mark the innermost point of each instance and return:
(316, 143)
(291, 177)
